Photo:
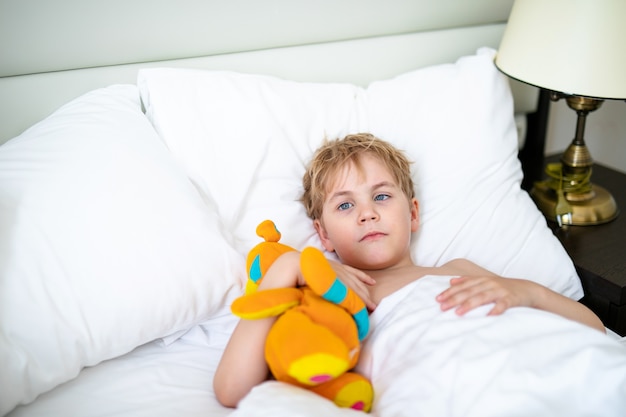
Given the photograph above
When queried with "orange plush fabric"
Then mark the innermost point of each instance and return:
(315, 341)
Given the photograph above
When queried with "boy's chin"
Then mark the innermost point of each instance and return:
(372, 264)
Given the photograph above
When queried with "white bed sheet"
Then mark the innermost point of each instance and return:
(164, 378)
(423, 362)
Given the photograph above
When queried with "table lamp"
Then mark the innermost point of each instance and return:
(576, 49)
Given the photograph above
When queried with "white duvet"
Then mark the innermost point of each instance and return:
(424, 362)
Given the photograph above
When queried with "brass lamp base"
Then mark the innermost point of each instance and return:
(597, 208)
(568, 197)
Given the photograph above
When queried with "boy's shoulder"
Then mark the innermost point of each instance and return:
(461, 266)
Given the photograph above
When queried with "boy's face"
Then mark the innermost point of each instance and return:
(366, 218)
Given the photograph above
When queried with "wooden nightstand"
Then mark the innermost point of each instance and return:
(599, 253)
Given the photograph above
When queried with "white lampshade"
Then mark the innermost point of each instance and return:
(575, 47)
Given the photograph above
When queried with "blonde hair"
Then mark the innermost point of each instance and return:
(333, 155)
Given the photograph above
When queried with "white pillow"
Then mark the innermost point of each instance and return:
(245, 140)
(104, 244)
(456, 123)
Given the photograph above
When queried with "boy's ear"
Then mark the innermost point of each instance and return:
(415, 215)
(321, 232)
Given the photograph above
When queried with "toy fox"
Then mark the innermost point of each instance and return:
(315, 341)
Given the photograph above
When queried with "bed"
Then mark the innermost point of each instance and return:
(143, 143)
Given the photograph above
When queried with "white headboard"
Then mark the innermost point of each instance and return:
(51, 52)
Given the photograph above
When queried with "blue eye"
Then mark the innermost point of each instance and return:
(381, 197)
(344, 206)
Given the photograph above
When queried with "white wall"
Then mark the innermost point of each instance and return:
(605, 132)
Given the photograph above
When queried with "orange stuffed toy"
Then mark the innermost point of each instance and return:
(315, 341)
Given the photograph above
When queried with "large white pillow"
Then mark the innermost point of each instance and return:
(244, 141)
(104, 244)
(456, 123)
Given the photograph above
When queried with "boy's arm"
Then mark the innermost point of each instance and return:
(477, 286)
(468, 292)
(549, 300)
(243, 365)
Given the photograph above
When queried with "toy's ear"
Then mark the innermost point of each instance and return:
(263, 255)
(268, 231)
(266, 303)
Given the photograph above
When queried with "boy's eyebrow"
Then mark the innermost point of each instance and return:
(342, 193)
(338, 194)
(384, 184)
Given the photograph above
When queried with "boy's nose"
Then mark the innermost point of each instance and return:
(368, 215)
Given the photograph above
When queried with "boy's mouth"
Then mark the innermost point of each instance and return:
(372, 236)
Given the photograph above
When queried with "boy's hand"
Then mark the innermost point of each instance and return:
(467, 293)
(356, 279)
(285, 272)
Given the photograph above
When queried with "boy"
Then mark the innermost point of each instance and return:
(359, 193)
